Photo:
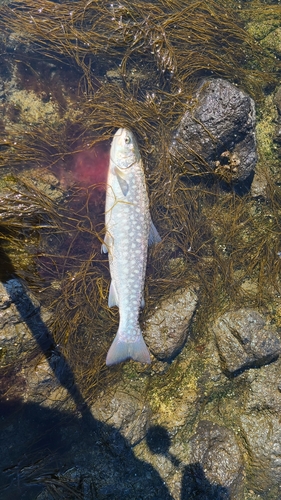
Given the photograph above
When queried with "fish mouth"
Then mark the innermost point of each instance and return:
(116, 142)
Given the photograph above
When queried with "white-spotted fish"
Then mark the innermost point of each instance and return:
(129, 230)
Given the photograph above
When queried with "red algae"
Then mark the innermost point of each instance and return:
(85, 168)
(91, 165)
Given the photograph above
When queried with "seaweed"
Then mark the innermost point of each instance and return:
(212, 237)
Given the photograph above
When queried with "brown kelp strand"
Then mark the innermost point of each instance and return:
(183, 39)
(25, 214)
(261, 12)
(24, 149)
(211, 238)
(23, 207)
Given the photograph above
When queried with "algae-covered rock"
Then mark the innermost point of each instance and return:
(244, 340)
(273, 41)
(166, 330)
(261, 29)
(218, 129)
(277, 102)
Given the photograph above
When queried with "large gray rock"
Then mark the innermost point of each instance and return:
(217, 132)
(244, 340)
(217, 471)
(166, 330)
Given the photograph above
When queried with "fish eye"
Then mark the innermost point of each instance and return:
(127, 139)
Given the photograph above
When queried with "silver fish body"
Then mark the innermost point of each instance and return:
(129, 230)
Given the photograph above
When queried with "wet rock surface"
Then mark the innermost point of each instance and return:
(244, 341)
(127, 412)
(166, 331)
(185, 432)
(215, 453)
(19, 314)
(218, 129)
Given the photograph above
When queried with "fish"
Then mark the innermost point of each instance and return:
(129, 231)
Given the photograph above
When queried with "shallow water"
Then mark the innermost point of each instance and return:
(61, 106)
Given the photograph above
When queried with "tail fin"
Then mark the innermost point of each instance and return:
(121, 350)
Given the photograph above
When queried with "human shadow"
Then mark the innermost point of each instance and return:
(42, 448)
(38, 445)
(194, 484)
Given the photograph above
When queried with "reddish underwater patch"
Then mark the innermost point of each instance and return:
(90, 166)
(83, 175)
(85, 168)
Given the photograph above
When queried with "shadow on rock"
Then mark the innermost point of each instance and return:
(45, 448)
(68, 455)
(194, 485)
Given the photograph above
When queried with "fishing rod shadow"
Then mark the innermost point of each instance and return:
(18, 294)
(41, 443)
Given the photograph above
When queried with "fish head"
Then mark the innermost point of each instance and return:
(124, 151)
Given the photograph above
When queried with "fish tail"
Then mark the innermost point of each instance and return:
(121, 350)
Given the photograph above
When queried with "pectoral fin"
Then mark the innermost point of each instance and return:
(123, 185)
(154, 236)
(122, 181)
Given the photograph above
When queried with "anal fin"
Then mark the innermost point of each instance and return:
(113, 296)
(106, 243)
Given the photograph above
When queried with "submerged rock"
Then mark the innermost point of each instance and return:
(217, 132)
(23, 334)
(217, 468)
(166, 330)
(19, 326)
(244, 340)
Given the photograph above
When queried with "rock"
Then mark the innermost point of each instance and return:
(260, 29)
(277, 100)
(262, 435)
(264, 394)
(277, 103)
(273, 41)
(126, 412)
(217, 470)
(19, 325)
(43, 383)
(22, 331)
(166, 330)
(244, 341)
(259, 185)
(218, 129)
